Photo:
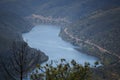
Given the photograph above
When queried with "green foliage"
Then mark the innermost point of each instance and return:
(62, 71)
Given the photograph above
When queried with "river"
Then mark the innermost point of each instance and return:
(46, 39)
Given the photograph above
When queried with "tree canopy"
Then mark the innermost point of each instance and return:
(62, 70)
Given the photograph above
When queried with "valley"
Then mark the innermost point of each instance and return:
(91, 25)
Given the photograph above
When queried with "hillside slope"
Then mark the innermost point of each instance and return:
(70, 9)
(98, 35)
(11, 27)
(101, 28)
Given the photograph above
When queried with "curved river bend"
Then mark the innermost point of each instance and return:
(45, 38)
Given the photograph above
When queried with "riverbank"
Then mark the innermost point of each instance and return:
(110, 62)
(105, 56)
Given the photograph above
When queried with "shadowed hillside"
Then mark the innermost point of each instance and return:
(11, 27)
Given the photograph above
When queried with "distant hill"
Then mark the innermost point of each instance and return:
(70, 9)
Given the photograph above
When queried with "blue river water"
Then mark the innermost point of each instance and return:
(46, 39)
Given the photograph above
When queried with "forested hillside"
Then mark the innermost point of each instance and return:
(98, 35)
(101, 28)
(70, 9)
(11, 27)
